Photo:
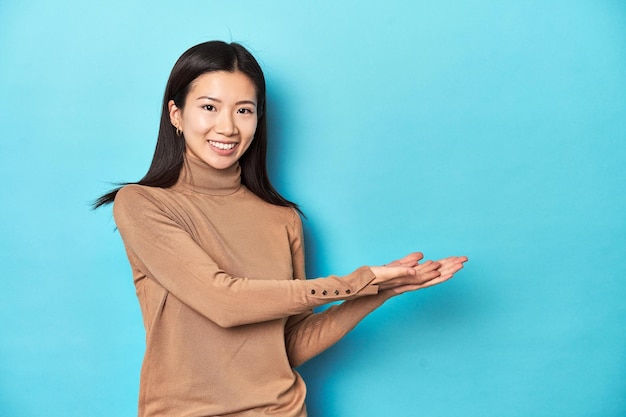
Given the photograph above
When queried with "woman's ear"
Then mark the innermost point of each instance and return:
(175, 116)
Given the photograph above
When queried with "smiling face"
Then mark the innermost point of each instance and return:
(219, 117)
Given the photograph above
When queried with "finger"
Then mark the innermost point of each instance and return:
(452, 261)
(450, 265)
(415, 287)
(409, 260)
(414, 258)
(455, 259)
(451, 269)
(427, 276)
(429, 283)
(427, 266)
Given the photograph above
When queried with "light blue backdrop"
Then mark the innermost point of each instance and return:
(495, 129)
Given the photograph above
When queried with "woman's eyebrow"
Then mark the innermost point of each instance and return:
(209, 98)
(252, 102)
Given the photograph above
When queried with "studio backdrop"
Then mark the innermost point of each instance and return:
(487, 128)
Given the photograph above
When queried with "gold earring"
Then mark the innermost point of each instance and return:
(179, 132)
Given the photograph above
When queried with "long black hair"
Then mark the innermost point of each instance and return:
(170, 149)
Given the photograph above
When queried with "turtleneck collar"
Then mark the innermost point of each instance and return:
(200, 177)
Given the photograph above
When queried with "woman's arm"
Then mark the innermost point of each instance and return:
(308, 334)
(168, 255)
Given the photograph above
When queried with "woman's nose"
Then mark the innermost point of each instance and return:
(225, 125)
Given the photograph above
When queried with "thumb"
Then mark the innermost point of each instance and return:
(386, 273)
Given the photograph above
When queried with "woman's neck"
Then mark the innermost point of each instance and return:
(202, 178)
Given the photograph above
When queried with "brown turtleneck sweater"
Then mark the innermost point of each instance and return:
(227, 310)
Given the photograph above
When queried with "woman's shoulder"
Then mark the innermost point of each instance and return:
(135, 195)
(283, 211)
(134, 191)
(271, 213)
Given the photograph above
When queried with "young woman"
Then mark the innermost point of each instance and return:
(217, 255)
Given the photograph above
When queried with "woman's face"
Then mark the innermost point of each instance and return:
(219, 118)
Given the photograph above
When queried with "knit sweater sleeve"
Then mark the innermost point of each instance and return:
(308, 334)
(167, 254)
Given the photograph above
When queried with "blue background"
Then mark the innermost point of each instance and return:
(494, 129)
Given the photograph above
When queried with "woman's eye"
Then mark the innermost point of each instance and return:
(245, 111)
(208, 107)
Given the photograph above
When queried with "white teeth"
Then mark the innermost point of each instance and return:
(223, 146)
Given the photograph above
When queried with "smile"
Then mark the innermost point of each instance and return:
(223, 146)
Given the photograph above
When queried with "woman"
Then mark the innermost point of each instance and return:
(217, 255)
